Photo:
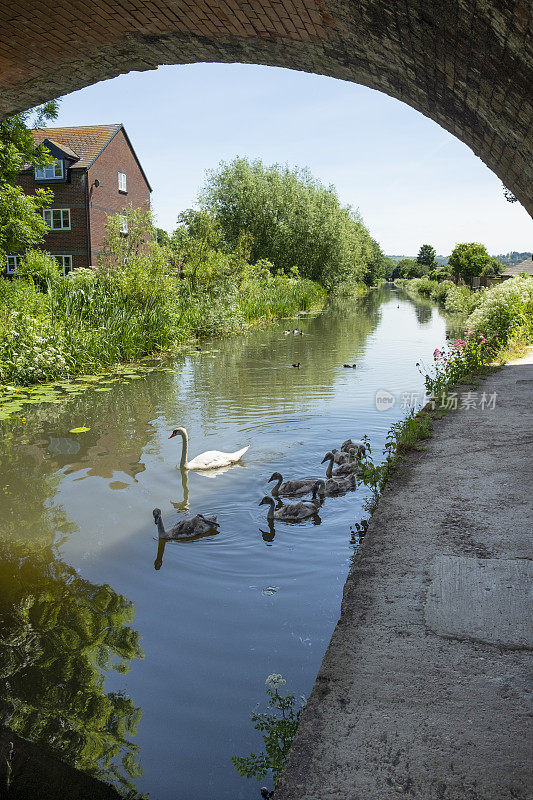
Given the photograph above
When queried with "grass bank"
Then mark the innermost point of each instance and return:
(55, 328)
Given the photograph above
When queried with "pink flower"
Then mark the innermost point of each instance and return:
(437, 353)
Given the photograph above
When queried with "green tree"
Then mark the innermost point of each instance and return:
(408, 268)
(21, 224)
(471, 259)
(292, 219)
(161, 236)
(427, 256)
(128, 234)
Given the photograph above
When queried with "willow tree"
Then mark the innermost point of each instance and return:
(293, 220)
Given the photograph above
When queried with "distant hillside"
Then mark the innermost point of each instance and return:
(509, 259)
(513, 258)
(440, 259)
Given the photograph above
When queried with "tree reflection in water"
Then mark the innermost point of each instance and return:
(59, 634)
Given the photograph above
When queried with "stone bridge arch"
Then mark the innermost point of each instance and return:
(466, 64)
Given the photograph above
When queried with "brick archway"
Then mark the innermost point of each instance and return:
(466, 64)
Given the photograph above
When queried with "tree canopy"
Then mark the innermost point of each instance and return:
(293, 221)
(21, 224)
(427, 255)
(470, 259)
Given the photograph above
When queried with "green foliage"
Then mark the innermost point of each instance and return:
(278, 727)
(461, 300)
(119, 248)
(514, 257)
(427, 256)
(145, 299)
(39, 267)
(292, 219)
(407, 268)
(471, 259)
(458, 360)
(505, 312)
(21, 224)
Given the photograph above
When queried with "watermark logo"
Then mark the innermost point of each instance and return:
(384, 400)
(411, 401)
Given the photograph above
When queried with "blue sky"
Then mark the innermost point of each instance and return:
(411, 180)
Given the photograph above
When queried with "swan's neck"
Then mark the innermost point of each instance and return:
(184, 449)
(275, 489)
(329, 470)
(160, 528)
(270, 512)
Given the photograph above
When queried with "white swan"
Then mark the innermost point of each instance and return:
(211, 459)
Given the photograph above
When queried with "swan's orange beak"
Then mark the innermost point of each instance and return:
(172, 435)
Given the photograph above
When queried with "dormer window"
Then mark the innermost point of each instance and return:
(50, 171)
(122, 182)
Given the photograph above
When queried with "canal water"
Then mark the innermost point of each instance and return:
(144, 676)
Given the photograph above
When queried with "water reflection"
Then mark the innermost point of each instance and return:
(78, 543)
(60, 633)
(162, 543)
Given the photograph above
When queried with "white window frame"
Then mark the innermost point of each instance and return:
(50, 171)
(65, 267)
(64, 216)
(122, 182)
(123, 224)
(11, 269)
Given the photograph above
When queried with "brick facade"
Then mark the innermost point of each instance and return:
(106, 198)
(466, 65)
(91, 192)
(72, 195)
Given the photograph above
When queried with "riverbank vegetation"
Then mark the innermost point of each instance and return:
(129, 307)
(501, 314)
(499, 324)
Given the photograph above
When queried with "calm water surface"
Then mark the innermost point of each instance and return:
(149, 676)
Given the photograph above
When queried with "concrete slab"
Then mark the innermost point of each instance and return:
(489, 600)
(425, 689)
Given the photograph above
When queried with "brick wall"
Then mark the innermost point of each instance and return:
(106, 198)
(70, 194)
(466, 65)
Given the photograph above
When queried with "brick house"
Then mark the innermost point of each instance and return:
(96, 173)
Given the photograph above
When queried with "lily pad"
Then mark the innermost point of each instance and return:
(79, 430)
(104, 389)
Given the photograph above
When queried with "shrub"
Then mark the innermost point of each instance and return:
(460, 299)
(39, 267)
(506, 311)
(440, 292)
(425, 286)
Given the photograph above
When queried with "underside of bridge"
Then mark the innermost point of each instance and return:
(467, 64)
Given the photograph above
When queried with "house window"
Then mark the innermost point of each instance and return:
(12, 263)
(57, 219)
(50, 171)
(123, 223)
(122, 182)
(65, 264)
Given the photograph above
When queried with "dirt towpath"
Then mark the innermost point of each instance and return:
(423, 692)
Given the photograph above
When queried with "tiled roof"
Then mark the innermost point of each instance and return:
(85, 140)
(524, 266)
